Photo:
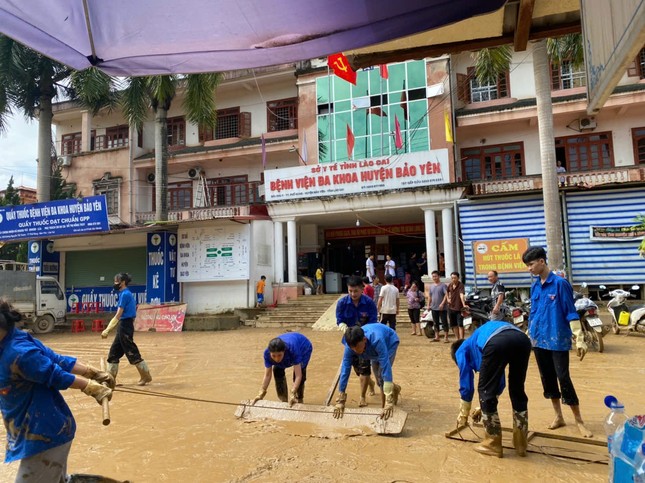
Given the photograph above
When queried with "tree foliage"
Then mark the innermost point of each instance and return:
(12, 251)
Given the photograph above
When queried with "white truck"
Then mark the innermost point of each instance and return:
(40, 300)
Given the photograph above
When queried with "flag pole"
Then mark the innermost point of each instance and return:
(330, 123)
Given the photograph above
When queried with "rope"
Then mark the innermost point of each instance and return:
(145, 392)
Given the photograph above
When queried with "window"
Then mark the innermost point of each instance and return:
(180, 195)
(638, 138)
(493, 162)
(117, 136)
(565, 76)
(481, 92)
(51, 288)
(232, 191)
(176, 131)
(71, 143)
(637, 68)
(227, 126)
(586, 152)
(282, 115)
(110, 187)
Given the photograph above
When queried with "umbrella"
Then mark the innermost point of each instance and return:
(150, 37)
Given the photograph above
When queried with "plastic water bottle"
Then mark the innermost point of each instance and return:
(614, 427)
(639, 465)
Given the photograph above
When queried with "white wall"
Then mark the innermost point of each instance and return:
(216, 297)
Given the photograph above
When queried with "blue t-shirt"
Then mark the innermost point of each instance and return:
(298, 351)
(552, 309)
(35, 414)
(127, 301)
(469, 356)
(350, 314)
(381, 346)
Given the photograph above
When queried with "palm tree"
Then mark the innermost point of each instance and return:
(489, 64)
(157, 93)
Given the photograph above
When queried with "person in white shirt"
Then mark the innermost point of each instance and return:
(390, 266)
(388, 303)
(369, 268)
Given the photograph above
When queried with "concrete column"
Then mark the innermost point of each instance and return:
(448, 241)
(292, 252)
(86, 132)
(431, 239)
(278, 252)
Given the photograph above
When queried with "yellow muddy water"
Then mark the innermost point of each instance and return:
(154, 439)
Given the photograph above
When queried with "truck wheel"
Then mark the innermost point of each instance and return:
(44, 324)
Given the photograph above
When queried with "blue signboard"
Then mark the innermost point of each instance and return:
(53, 218)
(42, 258)
(162, 285)
(106, 296)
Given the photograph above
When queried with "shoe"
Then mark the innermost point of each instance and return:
(492, 443)
(144, 373)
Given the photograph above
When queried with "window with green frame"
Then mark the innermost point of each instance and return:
(369, 108)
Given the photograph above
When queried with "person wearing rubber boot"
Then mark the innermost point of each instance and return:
(553, 321)
(377, 344)
(357, 309)
(287, 350)
(123, 343)
(491, 348)
(40, 426)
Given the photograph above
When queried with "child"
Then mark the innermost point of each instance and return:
(259, 290)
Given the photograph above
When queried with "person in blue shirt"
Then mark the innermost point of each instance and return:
(123, 343)
(553, 321)
(376, 344)
(40, 426)
(287, 350)
(491, 348)
(356, 309)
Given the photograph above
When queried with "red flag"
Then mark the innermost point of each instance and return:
(340, 65)
(350, 142)
(377, 111)
(384, 72)
(398, 140)
(264, 152)
(404, 102)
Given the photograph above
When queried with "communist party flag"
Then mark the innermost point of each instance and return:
(350, 142)
(398, 139)
(340, 65)
(383, 70)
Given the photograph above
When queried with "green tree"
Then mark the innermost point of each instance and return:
(489, 64)
(12, 251)
(61, 189)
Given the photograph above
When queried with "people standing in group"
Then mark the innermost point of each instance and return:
(455, 300)
(553, 322)
(40, 426)
(388, 303)
(259, 291)
(377, 286)
(123, 343)
(415, 302)
(377, 344)
(491, 348)
(319, 280)
(357, 309)
(390, 266)
(437, 294)
(287, 350)
(368, 288)
(497, 293)
(370, 273)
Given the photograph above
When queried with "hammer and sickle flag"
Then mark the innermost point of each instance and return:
(340, 65)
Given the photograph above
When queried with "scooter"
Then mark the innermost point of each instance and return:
(427, 324)
(478, 311)
(518, 313)
(590, 323)
(624, 317)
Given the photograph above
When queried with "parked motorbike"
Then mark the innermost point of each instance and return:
(427, 323)
(519, 315)
(623, 316)
(478, 311)
(590, 323)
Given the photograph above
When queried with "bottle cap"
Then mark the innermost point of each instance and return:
(612, 403)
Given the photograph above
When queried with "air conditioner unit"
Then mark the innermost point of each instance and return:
(585, 123)
(64, 160)
(150, 178)
(194, 173)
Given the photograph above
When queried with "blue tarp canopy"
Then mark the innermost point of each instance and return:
(150, 37)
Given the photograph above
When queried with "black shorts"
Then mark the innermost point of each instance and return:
(455, 318)
(362, 367)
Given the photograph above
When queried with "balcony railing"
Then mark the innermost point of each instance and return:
(587, 179)
(194, 214)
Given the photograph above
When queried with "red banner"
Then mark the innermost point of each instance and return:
(340, 65)
(160, 318)
(406, 229)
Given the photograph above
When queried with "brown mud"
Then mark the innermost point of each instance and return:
(155, 439)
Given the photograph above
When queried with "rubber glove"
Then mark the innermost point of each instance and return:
(97, 391)
(342, 327)
(99, 376)
(464, 410)
(388, 408)
(476, 415)
(293, 399)
(261, 393)
(110, 326)
(339, 409)
(581, 345)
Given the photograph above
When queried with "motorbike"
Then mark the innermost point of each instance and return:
(427, 323)
(590, 323)
(519, 314)
(623, 316)
(478, 311)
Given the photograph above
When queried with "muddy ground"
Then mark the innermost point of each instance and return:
(154, 439)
